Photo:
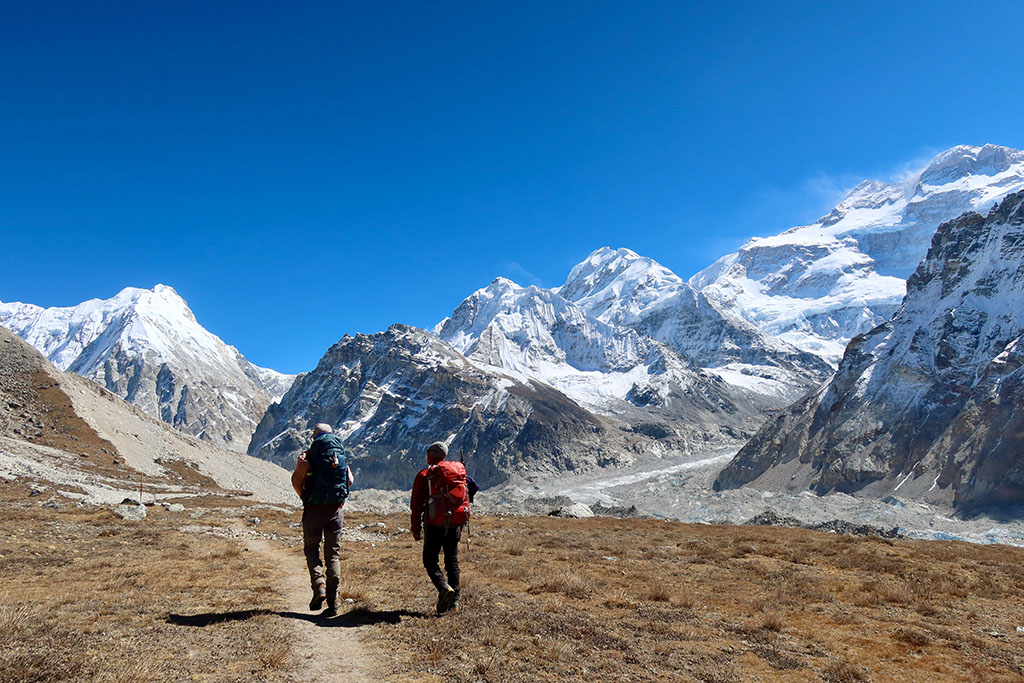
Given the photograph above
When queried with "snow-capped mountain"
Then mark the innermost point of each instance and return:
(929, 404)
(819, 285)
(534, 334)
(534, 331)
(391, 394)
(147, 347)
(620, 288)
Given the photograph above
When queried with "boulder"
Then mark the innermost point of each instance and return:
(132, 513)
(574, 511)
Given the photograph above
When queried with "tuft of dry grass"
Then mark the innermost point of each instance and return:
(773, 621)
(843, 671)
(658, 592)
(570, 583)
(912, 636)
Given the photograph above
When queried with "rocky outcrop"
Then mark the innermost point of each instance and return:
(929, 403)
(35, 408)
(391, 394)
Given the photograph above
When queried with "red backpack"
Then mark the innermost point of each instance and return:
(447, 494)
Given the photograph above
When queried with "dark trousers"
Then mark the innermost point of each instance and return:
(435, 538)
(323, 522)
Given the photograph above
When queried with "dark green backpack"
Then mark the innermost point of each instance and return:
(327, 478)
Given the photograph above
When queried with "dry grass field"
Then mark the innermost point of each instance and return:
(86, 596)
(608, 599)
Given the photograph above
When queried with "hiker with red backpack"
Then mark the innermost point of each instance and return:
(441, 494)
(322, 479)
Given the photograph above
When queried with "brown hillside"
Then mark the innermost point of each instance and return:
(33, 407)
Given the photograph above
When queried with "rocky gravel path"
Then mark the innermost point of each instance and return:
(327, 649)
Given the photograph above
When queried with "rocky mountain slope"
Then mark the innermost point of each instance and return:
(147, 347)
(817, 286)
(531, 381)
(393, 393)
(60, 428)
(928, 404)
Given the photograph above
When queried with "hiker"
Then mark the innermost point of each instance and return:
(322, 478)
(441, 494)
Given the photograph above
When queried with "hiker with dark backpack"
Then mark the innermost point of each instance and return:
(441, 495)
(322, 479)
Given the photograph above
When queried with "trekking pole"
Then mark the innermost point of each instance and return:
(469, 535)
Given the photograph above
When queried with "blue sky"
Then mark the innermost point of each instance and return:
(298, 171)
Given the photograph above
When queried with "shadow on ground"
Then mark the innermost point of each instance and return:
(357, 617)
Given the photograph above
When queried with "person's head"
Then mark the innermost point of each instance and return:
(322, 428)
(436, 452)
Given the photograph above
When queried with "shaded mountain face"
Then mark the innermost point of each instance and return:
(391, 394)
(928, 404)
(147, 347)
(818, 286)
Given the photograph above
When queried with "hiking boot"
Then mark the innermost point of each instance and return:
(445, 598)
(319, 595)
(330, 612)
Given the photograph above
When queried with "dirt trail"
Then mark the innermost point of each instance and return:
(327, 649)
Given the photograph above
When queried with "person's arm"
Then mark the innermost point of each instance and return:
(416, 505)
(299, 475)
(351, 477)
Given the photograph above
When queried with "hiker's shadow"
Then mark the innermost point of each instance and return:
(360, 616)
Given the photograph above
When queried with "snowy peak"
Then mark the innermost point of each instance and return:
(617, 285)
(621, 288)
(818, 286)
(534, 331)
(963, 161)
(62, 334)
(870, 203)
(625, 329)
(928, 404)
(601, 267)
(146, 346)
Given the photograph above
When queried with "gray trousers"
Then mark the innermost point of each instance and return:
(323, 522)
